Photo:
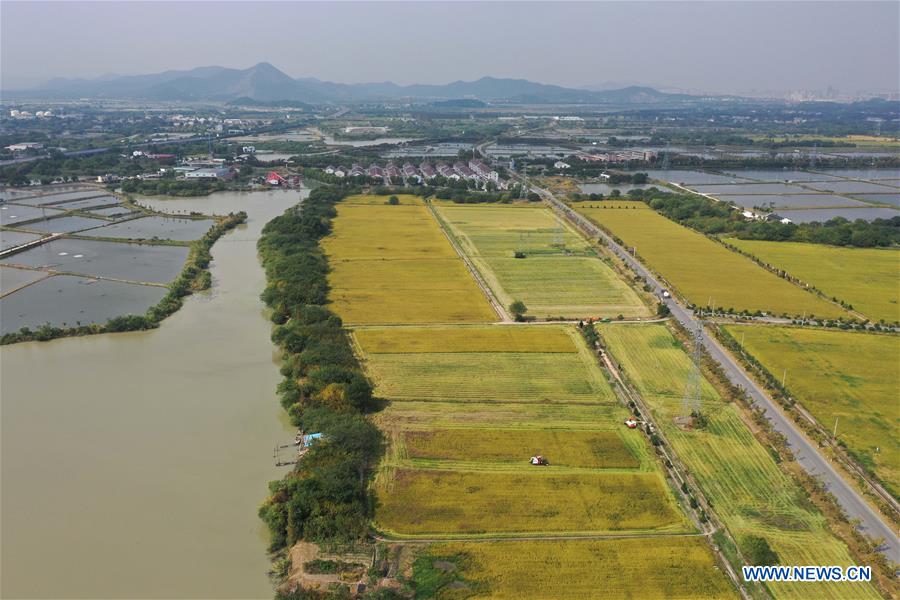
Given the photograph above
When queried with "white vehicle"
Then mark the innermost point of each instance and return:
(666, 294)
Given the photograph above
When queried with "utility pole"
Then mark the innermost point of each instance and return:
(834, 435)
(783, 378)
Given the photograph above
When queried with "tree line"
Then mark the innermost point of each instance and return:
(718, 218)
(326, 498)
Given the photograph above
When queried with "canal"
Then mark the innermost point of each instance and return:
(133, 464)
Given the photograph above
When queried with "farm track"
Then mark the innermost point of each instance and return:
(804, 450)
(533, 538)
(485, 288)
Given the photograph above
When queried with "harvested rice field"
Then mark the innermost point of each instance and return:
(556, 273)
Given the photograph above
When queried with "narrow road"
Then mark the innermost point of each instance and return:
(804, 450)
(548, 537)
(476, 274)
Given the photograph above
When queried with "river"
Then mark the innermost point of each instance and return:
(133, 464)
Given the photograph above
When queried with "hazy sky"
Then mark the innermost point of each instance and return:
(713, 46)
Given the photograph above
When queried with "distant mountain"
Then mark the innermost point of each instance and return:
(265, 83)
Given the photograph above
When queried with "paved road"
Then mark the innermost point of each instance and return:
(804, 450)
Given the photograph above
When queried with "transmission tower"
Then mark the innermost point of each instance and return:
(692, 389)
(812, 158)
(665, 160)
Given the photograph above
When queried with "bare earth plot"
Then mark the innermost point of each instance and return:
(748, 490)
(393, 264)
(866, 278)
(851, 377)
(706, 273)
(560, 275)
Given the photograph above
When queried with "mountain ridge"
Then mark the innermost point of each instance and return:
(264, 82)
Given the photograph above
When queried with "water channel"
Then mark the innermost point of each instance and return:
(133, 464)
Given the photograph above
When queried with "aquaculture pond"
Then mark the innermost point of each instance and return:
(781, 175)
(11, 239)
(61, 197)
(12, 279)
(111, 211)
(89, 203)
(790, 200)
(750, 188)
(152, 448)
(67, 301)
(692, 177)
(64, 224)
(163, 228)
(811, 215)
(134, 262)
(13, 214)
(851, 187)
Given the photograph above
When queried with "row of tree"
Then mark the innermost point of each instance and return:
(326, 498)
(711, 217)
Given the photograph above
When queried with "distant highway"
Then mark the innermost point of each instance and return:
(804, 450)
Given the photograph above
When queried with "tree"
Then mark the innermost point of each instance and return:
(518, 310)
(757, 551)
(393, 200)
(662, 310)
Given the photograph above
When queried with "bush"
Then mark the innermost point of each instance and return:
(757, 551)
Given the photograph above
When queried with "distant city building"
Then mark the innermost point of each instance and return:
(22, 146)
(483, 171)
(463, 171)
(427, 171)
(446, 171)
(561, 165)
(210, 173)
(409, 171)
(363, 130)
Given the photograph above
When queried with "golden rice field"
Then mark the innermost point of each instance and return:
(749, 491)
(393, 264)
(647, 569)
(571, 417)
(851, 377)
(481, 377)
(366, 199)
(500, 338)
(510, 376)
(433, 502)
(560, 276)
(705, 272)
(596, 449)
(866, 278)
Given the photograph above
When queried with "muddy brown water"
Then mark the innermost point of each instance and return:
(133, 464)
